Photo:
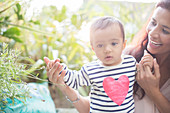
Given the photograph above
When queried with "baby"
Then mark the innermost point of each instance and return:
(112, 76)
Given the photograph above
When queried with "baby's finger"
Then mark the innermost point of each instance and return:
(52, 71)
(55, 67)
(46, 59)
(48, 67)
(147, 64)
(63, 74)
(146, 53)
(51, 63)
(57, 60)
(57, 73)
(146, 60)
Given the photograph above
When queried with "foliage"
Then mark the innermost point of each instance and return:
(133, 15)
(12, 71)
(10, 76)
(54, 32)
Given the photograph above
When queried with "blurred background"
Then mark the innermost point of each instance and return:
(60, 29)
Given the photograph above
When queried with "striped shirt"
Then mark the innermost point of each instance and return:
(94, 74)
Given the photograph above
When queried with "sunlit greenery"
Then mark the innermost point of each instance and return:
(10, 76)
(54, 33)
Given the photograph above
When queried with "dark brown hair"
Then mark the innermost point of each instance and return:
(140, 44)
(104, 22)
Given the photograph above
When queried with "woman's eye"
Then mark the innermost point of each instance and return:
(114, 44)
(100, 45)
(165, 31)
(153, 23)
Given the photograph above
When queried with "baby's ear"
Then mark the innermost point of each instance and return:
(92, 48)
(124, 44)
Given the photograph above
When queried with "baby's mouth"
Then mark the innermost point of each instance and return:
(108, 57)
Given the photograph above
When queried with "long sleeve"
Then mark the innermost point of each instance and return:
(76, 79)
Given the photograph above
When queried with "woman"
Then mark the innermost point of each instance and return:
(152, 90)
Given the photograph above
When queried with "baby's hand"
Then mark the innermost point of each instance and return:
(50, 63)
(53, 69)
(147, 60)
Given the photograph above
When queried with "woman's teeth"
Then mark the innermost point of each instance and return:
(156, 44)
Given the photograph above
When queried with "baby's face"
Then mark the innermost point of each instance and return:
(108, 45)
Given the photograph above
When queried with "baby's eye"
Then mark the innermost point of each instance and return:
(100, 45)
(165, 31)
(114, 43)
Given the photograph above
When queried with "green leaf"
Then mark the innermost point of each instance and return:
(37, 22)
(18, 7)
(74, 19)
(15, 38)
(12, 33)
(18, 11)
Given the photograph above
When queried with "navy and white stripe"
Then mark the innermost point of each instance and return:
(93, 74)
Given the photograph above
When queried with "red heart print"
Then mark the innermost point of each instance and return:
(116, 90)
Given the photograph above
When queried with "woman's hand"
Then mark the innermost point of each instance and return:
(147, 80)
(150, 83)
(147, 60)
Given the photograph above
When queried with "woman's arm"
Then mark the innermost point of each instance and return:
(150, 83)
(160, 101)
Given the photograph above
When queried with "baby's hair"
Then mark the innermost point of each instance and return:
(104, 22)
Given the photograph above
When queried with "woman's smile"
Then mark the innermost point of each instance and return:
(154, 45)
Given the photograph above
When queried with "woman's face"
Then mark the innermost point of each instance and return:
(159, 32)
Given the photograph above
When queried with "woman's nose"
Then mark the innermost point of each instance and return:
(154, 31)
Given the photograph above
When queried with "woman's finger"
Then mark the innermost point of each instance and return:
(137, 72)
(156, 69)
(148, 71)
(141, 71)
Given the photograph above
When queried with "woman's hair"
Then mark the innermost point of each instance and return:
(164, 4)
(140, 44)
(104, 22)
